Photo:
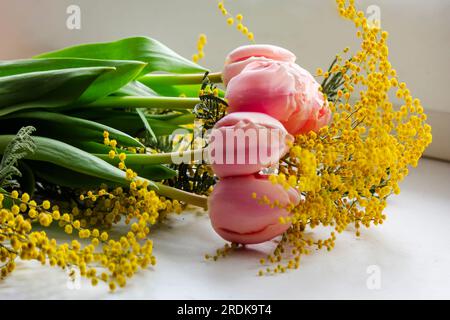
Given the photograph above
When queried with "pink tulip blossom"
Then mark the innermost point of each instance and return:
(244, 143)
(282, 90)
(238, 217)
(242, 56)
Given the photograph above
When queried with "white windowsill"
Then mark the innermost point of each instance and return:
(412, 250)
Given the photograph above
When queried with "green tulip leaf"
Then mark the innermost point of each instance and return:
(70, 157)
(46, 89)
(56, 124)
(157, 56)
(125, 71)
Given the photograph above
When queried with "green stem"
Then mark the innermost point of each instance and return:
(178, 79)
(157, 158)
(177, 194)
(145, 102)
(167, 158)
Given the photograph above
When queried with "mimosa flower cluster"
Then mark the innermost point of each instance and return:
(346, 171)
(236, 20)
(201, 42)
(96, 255)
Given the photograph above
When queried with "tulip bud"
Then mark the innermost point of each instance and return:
(244, 143)
(237, 216)
(282, 90)
(242, 56)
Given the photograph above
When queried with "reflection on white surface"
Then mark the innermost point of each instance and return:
(407, 257)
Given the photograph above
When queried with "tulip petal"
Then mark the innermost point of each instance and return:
(260, 50)
(238, 217)
(244, 143)
(242, 56)
(282, 90)
(264, 86)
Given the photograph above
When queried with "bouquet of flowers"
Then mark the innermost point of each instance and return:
(129, 132)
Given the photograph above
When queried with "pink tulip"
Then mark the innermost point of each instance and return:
(319, 117)
(282, 90)
(244, 143)
(238, 217)
(242, 56)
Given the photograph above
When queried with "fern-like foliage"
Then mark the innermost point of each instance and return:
(198, 177)
(211, 108)
(334, 82)
(19, 147)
